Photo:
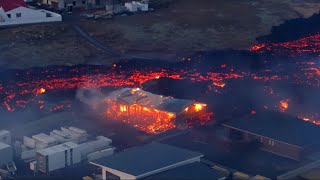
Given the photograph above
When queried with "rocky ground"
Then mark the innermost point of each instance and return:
(182, 25)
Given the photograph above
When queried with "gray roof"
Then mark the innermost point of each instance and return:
(57, 148)
(137, 96)
(143, 159)
(279, 126)
(191, 171)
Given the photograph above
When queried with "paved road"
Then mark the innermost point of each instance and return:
(96, 43)
(105, 48)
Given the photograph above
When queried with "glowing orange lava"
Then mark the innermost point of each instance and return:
(284, 105)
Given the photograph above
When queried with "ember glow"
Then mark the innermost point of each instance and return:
(150, 112)
(143, 118)
(284, 105)
(31, 87)
(306, 45)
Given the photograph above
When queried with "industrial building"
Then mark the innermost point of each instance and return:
(6, 154)
(63, 148)
(150, 112)
(57, 157)
(154, 161)
(276, 132)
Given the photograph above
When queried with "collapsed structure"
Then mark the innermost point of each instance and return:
(150, 112)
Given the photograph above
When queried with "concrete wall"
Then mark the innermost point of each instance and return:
(6, 155)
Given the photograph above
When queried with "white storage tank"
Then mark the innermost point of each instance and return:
(6, 154)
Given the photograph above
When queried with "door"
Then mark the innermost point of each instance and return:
(70, 7)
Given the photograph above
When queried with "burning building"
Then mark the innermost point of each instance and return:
(150, 112)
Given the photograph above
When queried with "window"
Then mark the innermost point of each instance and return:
(271, 142)
(9, 15)
(74, 3)
(83, 2)
(18, 15)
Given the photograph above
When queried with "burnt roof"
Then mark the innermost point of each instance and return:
(278, 126)
(137, 96)
(143, 159)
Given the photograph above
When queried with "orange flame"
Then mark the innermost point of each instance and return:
(284, 105)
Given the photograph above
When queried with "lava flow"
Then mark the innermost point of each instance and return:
(33, 87)
(306, 45)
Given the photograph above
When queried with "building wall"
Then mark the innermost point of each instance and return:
(274, 146)
(28, 16)
(6, 156)
(58, 160)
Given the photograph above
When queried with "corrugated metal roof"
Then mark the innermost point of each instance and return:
(137, 96)
(143, 159)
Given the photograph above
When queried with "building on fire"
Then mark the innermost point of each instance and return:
(155, 161)
(150, 112)
(276, 132)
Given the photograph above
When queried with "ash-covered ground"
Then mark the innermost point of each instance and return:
(174, 29)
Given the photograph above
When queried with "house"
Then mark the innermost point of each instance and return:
(70, 4)
(276, 132)
(15, 12)
(155, 161)
(65, 4)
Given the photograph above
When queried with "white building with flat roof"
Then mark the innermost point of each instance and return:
(43, 141)
(58, 157)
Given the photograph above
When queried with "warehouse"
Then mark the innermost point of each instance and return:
(276, 132)
(57, 157)
(150, 160)
(150, 112)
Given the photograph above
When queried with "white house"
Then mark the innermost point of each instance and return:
(15, 12)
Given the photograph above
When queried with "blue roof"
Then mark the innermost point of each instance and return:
(143, 159)
(191, 171)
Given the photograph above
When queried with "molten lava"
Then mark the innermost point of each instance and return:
(284, 105)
